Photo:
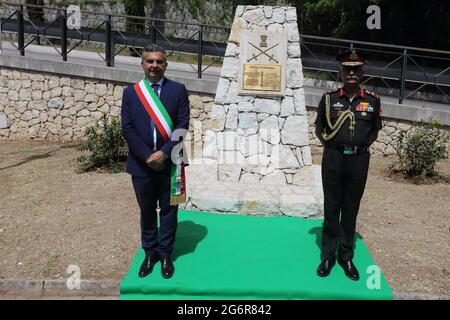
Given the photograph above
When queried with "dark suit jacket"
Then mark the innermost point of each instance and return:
(136, 124)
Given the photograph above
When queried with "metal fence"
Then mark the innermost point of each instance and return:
(109, 30)
(403, 72)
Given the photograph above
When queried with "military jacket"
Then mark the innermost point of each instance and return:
(366, 109)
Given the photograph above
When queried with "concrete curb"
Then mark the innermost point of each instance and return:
(58, 288)
(111, 288)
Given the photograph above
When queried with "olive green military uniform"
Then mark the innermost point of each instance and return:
(345, 164)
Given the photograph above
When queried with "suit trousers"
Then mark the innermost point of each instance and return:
(150, 191)
(344, 179)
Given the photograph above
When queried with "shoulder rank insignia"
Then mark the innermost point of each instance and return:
(373, 94)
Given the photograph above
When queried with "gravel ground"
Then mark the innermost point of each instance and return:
(51, 217)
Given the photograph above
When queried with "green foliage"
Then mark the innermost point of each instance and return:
(135, 8)
(419, 149)
(36, 14)
(195, 7)
(106, 146)
(403, 22)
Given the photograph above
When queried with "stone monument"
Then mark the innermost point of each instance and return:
(256, 157)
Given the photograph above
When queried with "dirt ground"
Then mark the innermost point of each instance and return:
(51, 217)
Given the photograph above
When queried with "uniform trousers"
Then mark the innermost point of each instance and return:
(343, 179)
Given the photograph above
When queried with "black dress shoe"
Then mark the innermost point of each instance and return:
(349, 269)
(167, 268)
(325, 267)
(147, 266)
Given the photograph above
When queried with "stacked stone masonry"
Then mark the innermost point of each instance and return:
(385, 144)
(255, 137)
(52, 107)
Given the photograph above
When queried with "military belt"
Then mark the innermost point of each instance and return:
(348, 149)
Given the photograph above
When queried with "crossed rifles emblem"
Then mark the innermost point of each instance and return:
(264, 52)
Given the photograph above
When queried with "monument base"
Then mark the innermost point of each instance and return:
(303, 198)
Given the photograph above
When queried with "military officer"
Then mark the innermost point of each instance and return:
(348, 121)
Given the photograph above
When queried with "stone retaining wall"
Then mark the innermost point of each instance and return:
(51, 107)
(383, 145)
(46, 106)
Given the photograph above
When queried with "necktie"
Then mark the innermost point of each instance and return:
(155, 87)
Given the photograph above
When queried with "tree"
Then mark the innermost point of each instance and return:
(411, 23)
(158, 11)
(133, 25)
(36, 14)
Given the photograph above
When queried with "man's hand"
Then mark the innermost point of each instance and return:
(156, 161)
(319, 135)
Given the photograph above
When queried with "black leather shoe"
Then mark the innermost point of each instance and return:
(167, 268)
(147, 266)
(349, 269)
(325, 267)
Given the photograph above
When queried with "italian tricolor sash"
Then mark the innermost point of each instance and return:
(164, 123)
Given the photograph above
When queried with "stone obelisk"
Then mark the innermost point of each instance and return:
(256, 157)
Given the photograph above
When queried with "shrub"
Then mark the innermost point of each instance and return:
(419, 149)
(106, 146)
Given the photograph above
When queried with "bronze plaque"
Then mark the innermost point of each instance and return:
(262, 77)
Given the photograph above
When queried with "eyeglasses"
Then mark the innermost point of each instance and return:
(151, 61)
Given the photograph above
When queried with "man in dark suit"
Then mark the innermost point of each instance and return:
(151, 110)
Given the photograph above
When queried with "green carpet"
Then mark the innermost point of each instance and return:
(227, 257)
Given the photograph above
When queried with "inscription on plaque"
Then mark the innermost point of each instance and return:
(262, 70)
(262, 77)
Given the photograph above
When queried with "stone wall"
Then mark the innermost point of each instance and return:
(46, 106)
(385, 144)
